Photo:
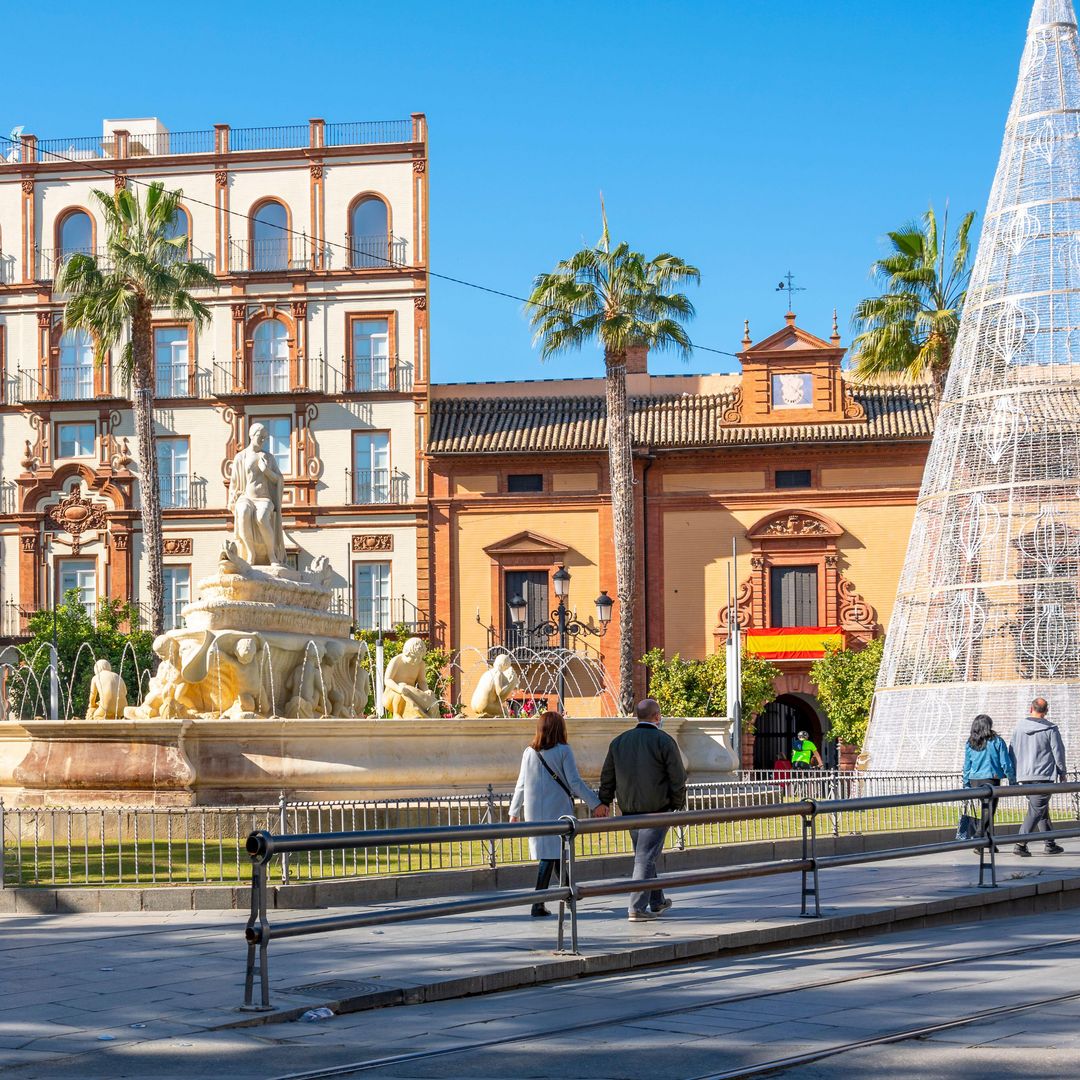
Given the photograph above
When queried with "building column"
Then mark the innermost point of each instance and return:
(119, 555)
(29, 571)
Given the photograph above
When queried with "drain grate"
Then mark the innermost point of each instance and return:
(338, 988)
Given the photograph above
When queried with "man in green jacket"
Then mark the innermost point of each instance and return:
(645, 770)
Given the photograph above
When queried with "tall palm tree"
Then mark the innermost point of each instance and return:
(618, 299)
(145, 268)
(911, 328)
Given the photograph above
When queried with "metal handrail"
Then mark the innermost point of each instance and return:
(262, 846)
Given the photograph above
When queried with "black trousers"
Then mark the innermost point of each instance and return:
(989, 809)
(546, 869)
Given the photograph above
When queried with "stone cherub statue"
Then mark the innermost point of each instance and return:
(108, 694)
(495, 686)
(256, 492)
(347, 678)
(405, 690)
(305, 688)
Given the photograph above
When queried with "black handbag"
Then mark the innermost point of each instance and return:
(967, 828)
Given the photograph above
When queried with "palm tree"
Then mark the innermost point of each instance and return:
(911, 328)
(145, 268)
(619, 299)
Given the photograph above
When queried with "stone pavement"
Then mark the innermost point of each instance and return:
(690, 1020)
(139, 977)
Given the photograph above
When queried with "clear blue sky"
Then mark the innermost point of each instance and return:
(749, 137)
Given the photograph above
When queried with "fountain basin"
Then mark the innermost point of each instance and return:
(212, 761)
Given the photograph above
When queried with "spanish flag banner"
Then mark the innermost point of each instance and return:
(793, 642)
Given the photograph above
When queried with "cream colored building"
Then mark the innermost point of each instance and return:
(317, 234)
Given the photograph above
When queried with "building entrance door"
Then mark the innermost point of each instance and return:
(779, 723)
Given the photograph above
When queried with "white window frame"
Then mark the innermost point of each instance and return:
(176, 586)
(171, 377)
(371, 467)
(174, 486)
(279, 447)
(79, 448)
(85, 572)
(76, 358)
(270, 358)
(372, 602)
(371, 371)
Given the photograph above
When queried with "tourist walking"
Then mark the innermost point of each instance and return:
(546, 787)
(986, 761)
(645, 771)
(1039, 758)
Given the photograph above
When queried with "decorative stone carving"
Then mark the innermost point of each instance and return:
(239, 312)
(299, 309)
(256, 492)
(493, 688)
(122, 541)
(364, 542)
(76, 515)
(221, 177)
(29, 542)
(121, 457)
(44, 319)
(733, 413)
(119, 182)
(420, 303)
(832, 561)
(855, 612)
(317, 171)
(29, 460)
(405, 690)
(177, 545)
(419, 165)
(796, 525)
(28, 186)
(853, 410)
(108, 694)
(744, 608)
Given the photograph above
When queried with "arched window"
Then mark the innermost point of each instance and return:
(369, 233)
(76, 365)
(76, 234)
(180, 226)
(270, 360)
(270, 237)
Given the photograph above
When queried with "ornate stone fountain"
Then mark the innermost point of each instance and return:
(264, 690)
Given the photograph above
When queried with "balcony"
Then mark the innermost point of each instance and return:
(218, 140)
(276, 377)
(8, 269)
(178, 492)
(49, 261)
(381, 374)
(276, 255)
(177, 381)
(385, 614)
(69, 383)
(375, 252)
(377, 487)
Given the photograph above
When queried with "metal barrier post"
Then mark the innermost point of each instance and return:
(257, 919)
(988, 801)
(491, 821)
(2, 834)
(836, 795)
(809, 854)
(283, 828)
(566, 880)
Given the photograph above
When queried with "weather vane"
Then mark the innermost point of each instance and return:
(788, 285)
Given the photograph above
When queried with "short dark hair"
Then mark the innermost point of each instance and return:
(1041, 706)
(647, 709)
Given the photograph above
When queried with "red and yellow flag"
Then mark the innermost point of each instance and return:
(793, 642)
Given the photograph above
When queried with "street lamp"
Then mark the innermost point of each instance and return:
(560, 620)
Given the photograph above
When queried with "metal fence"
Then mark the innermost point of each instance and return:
(127, 845)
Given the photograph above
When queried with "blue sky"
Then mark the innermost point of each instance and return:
(749, 137)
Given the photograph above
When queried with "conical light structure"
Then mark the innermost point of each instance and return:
(988, 605)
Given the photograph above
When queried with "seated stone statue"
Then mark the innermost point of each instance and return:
(108, 694)
(495, 686)
(168, 694)
(347, 678)
(405, 690)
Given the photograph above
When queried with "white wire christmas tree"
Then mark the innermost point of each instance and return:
(988, 612)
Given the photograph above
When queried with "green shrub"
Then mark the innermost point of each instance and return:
(845, 680)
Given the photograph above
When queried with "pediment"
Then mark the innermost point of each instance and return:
(527, 543)
(788, 339)
(794, 523)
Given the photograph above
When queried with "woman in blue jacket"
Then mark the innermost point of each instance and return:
(986, 761)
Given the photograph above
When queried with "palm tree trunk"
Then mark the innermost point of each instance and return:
(142, 399)
(621, 468)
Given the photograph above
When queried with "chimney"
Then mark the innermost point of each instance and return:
(637, 360)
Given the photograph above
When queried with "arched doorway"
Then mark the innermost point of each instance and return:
(778, 725)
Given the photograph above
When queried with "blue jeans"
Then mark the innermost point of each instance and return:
(648, 843)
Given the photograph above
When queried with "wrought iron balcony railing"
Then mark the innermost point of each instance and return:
(277, 254)
(69, 383)
(49, 261)
(372, 374)
(377, 487)
(381, 613)
(375, 252)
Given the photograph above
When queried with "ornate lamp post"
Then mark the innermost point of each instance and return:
(561, 621)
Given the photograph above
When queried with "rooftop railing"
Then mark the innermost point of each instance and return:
(221, 139)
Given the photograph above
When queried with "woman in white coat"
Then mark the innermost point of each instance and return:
(548, 776)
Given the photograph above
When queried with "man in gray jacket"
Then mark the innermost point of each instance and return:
(1039, 755)
(645, 769)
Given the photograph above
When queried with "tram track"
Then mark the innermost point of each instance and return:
(762, 1069)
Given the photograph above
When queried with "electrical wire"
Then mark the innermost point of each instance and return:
(390, 263)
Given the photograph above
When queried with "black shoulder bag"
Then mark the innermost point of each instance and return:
(555, 776)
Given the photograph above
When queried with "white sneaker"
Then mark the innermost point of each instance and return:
(642, 916)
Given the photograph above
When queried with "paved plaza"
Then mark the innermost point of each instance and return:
(146, 994)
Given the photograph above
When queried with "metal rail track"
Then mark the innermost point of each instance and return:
(761, 1069)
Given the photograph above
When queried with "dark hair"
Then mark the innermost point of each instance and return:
(982, 731)
(550, 731)
(647, 709)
